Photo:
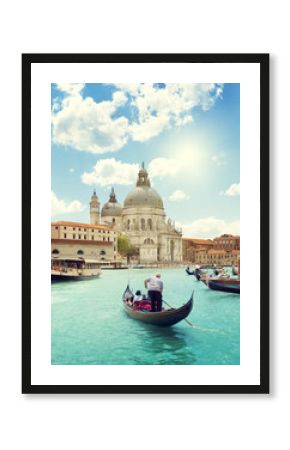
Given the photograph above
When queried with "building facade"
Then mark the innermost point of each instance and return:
(81, 240)
(143, 219)
(217, 257)
(144, 222)
(191, 246)
(227, 242)
(220, 251)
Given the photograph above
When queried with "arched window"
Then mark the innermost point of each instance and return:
(80, 252)
(149, 241)
(149, 224)
(55, 252)
(102, 252)
(142, 224)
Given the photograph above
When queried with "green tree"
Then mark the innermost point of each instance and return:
(125, 248)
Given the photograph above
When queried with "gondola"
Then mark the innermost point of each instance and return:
(200, 274)
(224, 285)
(165, 318)
(189, 272)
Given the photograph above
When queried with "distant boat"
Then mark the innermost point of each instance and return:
(137, 266)
(164, 318)
(218, 270)
(200, 274)
(235, 270)
(223, 284)
(74, 269)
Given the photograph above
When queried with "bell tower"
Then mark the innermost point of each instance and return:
(95, 209)
(143, 178)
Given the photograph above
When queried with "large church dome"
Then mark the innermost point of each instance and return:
(112, 207)
(143, 195)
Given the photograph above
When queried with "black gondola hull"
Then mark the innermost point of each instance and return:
(162, 319)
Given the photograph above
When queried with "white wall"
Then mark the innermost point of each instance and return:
(103, 422)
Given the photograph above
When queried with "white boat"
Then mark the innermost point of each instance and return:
(72, 269)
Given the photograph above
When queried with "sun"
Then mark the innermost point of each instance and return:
(193, 154)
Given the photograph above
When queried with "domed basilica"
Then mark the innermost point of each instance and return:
(143, 220)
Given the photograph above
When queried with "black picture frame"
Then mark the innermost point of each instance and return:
(27, 61)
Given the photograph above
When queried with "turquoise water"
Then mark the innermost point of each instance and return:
(89, 325)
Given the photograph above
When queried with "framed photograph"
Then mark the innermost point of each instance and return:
(145, 195)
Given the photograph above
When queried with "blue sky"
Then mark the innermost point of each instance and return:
(188, 135)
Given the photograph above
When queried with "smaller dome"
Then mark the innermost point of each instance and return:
(112, 207)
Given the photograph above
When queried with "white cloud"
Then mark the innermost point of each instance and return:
(108, 172)
(148, 128)
(91, 126)
(178, 195)
(86, 125)
(71, 88)
(158, 109)
(233, 190)
(71, 170)
(61, 207)
(209, 227)
(163, 167)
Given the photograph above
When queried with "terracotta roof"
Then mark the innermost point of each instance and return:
(199, 241)
(81, 242)
(230, 237)
(83, 225)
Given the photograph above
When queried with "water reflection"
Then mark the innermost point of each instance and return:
(164, 345)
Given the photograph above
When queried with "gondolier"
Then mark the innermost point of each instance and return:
(155, 289)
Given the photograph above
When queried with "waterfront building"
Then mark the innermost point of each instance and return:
(74, 239)
(190, 246)
(217, 257)
(222, 250)
(226, 242)
(143, 219)
(144, 222)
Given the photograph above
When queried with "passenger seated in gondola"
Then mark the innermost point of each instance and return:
(137, 297)
(129, 301)
(140, 302)
(129, 298)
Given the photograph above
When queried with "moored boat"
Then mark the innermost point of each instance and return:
(74, 269)
(231, 285)
(164, 318)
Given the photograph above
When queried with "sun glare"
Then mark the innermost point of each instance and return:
(192, 153)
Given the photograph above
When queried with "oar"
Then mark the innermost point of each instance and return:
(186, 320)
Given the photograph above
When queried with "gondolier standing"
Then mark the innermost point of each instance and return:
(155, 288)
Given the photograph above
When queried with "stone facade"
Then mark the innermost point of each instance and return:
(223, 250)
(217, 257)
(191, 246)
(74, 239)
(227, 242)
(143, 220)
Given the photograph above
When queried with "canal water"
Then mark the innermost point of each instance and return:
(89, 325)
